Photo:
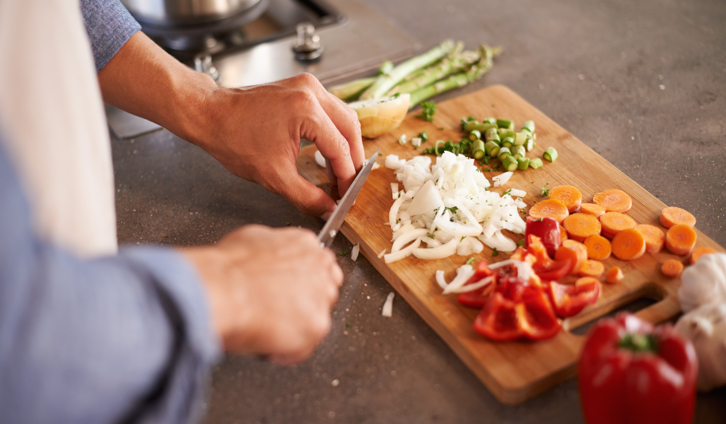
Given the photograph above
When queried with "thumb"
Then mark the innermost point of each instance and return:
(306, 197)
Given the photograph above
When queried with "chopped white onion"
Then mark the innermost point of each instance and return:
(440, 279)
(502, 179)
(383, 252)
(388, 306)
(515, 192)
(448, 199)
(406, 238)
(319, 159)
(463, 273)
(397, 256)
(416, 142)
(443, 251)
(471, 287)
(355, 251)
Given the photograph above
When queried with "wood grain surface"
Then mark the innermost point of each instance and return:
(513, 371)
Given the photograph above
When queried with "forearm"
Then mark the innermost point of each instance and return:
(145, 80)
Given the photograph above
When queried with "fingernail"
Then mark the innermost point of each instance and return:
(326, 215)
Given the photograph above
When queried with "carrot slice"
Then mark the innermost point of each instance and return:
(654, 237)
(700, 251)
(591, 268)
(592, 209)
(549, 208)
(580, 226)
(598, 247)
(573, 250)
(615, 222)
(615, 275)
(672, 216)
(568, 195)
(628, 244)
(613, 200)
(672, 268)
(563, 236)
(680, 239)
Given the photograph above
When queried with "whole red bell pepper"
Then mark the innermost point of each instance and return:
(630, 372)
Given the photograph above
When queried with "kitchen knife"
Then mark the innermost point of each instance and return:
(330, 229)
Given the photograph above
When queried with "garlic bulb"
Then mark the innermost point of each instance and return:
(703, 283)
(705, 326)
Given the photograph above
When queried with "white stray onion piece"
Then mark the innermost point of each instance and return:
(502, 179)
(388, 306)
(463, 273)
(383, 252)
(354, 253)
(319, 159)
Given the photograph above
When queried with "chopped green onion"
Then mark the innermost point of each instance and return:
(424, 136)
(439, 148)
(504, 151)
(510, 163)
(475, 135)
(507, 142)
(528, 126)
(518, 151)
(490, 120)
(523, 163)
(477, 150)
(529, 144)
(470, 260)
(491, 148)
(520, 138)
(505, 123)
(535, 163)
(550, 154)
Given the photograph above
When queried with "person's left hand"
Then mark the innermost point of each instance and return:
(255, 132)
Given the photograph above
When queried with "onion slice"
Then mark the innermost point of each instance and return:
(388, 306)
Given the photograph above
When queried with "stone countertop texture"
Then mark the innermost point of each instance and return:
(643, 83)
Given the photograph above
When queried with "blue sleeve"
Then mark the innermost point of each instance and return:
(109, 26)
(126, 338)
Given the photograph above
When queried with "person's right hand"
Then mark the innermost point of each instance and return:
(271, 290)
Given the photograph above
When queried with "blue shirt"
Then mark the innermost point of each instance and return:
(122, 339)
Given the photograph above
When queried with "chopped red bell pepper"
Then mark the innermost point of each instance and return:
(517, 310)
(631, 373)
(477, 298)
(547, 229)
(569, 299)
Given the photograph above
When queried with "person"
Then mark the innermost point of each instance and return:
(90, 333)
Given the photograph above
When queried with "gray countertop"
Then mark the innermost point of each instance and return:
(643, 83)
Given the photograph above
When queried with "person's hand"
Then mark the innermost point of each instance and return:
(271, 290)
(255, 133)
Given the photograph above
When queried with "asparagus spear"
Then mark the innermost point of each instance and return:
(458, 48)
(459, 79)
(352, 89)
(387, 81)
(434, 73)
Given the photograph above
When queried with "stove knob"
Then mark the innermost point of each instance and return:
(308, 46)
(204, 64)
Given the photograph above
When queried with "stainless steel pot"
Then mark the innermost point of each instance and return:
(187, 12)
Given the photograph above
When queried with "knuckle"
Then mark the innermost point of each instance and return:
(303, 101)
(307, 78)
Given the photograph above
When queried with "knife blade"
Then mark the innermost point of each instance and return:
(331, 227)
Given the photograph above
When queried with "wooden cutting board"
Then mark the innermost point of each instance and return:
(513, 371)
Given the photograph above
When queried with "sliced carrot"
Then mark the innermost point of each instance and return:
(680, 239)
(598, 247)
(568, 195)
(672, 216)
(591, 268)
(615, 222)
(573, 250)
(580, 226)
(592, 209)
(628, 244)
(615, 275)
(654, 237)
(672, 268)
(613, 200)
(563, 235)
(700, 251)
(549, 208)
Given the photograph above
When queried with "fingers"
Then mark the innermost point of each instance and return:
(346, 121)
(304, 195)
